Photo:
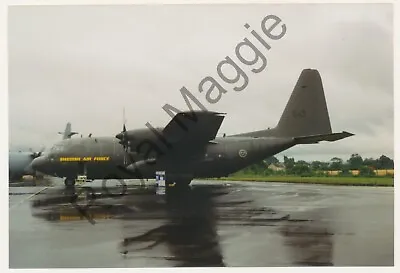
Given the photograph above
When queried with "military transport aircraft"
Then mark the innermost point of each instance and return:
(188, 148)
(19, 161)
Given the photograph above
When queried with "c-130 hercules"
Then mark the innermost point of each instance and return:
(19, 162)
(188, 148)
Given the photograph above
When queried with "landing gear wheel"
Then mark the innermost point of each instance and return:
(183, 183)
(180, 184)
(69, 182)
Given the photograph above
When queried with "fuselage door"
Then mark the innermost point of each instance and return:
(215, 152)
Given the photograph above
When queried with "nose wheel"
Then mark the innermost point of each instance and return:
(69, 182)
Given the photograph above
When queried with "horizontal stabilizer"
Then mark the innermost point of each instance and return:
(71, 134)
(324, 137)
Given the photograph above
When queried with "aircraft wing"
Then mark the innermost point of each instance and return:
(191, 130)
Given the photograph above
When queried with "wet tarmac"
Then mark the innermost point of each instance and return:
(209, 224)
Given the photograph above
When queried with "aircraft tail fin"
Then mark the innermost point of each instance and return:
(306, 112)
(67, 132)
(305, 117)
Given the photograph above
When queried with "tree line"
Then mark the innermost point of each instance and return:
(290, 166)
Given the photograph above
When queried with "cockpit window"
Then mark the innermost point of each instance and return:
(57, 148)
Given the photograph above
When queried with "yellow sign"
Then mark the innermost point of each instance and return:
(86, 158)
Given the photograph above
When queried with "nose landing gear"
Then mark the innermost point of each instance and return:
(69, 182)
(80, 178)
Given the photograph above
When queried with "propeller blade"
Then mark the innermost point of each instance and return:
(37, 154)
(127, 171)
(137, 175)
(41, 151)
(124, 169)
(131, 157)
(122, 136)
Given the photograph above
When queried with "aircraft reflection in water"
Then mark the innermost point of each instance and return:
(189, 231)
(186, 224)
(310, 243)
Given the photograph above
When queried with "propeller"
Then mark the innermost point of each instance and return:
(129, 156)
(124, 140)
(36, 154)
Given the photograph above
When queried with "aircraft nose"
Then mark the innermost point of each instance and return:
(39, 163)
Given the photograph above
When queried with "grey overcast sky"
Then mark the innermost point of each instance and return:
(83, 64)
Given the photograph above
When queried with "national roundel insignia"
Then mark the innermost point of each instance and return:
(242, 153)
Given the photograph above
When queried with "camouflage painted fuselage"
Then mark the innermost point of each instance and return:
(100, 157)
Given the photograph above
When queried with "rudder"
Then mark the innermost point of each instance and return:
(306, 112)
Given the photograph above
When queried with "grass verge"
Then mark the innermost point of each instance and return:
(342, 181)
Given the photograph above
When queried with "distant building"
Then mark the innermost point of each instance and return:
(276, 167)
(383, 172)
(357, 172)
(333, 172)
(354, 172)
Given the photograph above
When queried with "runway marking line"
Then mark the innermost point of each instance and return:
(29, 197)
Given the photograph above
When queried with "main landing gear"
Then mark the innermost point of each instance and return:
(178, 184)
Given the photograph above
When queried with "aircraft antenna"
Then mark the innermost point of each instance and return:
(124, 136)
(123, 116)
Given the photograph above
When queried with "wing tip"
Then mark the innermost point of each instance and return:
(347, 134)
